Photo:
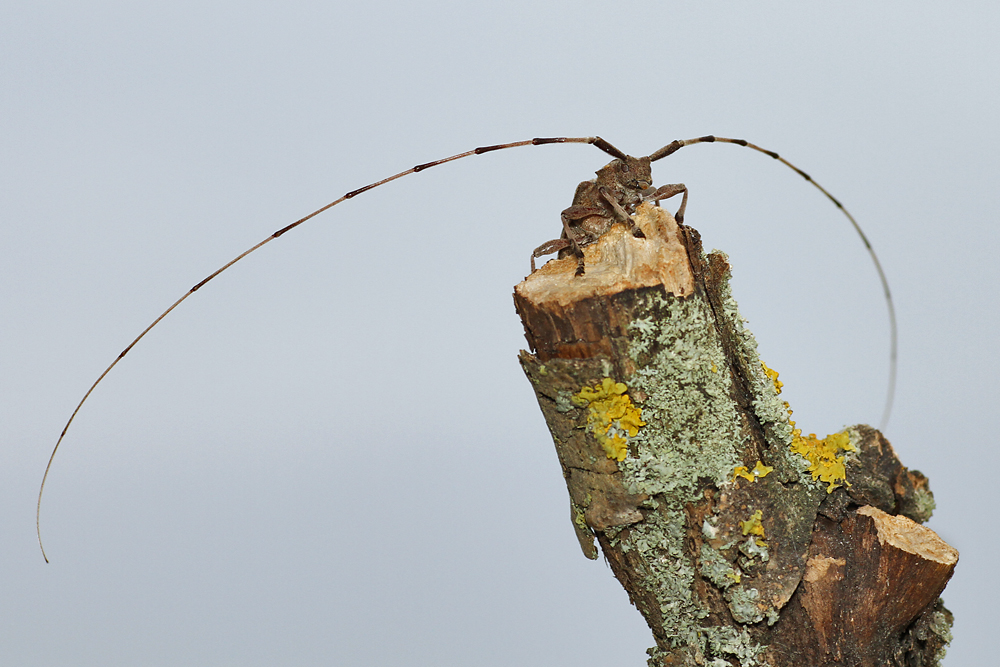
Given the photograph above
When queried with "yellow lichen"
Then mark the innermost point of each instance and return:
(753, 526)
(824, 464)
(773, 375)
(759, 470)
(613, 419)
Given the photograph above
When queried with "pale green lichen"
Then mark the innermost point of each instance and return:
(743, 605)
(713, 566)
(923, 504)
(564, 402)
(669, 574)
(770, 409)
(709, 528)
(754, 547)
(692, 432)
(773, 414)
(772, 375)
(721, 642)
(694, 427)
(657, 656)
(942, 628)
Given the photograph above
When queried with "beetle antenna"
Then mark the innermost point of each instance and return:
(596, 141)
(675, 146)
(603, 145)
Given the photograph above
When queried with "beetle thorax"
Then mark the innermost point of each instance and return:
(626, 180)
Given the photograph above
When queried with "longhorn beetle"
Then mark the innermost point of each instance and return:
(619, 187)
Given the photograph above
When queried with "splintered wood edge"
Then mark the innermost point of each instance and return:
(617, 262)
(909, 536)
(817, 567)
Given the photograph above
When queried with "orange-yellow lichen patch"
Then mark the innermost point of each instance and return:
(613, 419)
(753, 526)
(773, 376)
(759, 470)
(824, 464)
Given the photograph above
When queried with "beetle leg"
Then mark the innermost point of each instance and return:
(574, 234)
(622, 213)
(668, 191)
(548, 248)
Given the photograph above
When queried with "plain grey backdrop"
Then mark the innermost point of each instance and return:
(329, 456)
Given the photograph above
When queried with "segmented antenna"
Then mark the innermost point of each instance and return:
(597, 142)
(675, 146)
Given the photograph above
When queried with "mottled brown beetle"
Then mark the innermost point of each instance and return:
(620, 186)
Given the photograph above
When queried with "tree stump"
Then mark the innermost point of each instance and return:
(741, 541)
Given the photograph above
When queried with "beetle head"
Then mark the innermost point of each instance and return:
(632, 173)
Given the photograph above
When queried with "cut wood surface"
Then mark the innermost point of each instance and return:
(739, 539)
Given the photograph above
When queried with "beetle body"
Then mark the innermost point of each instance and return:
(620, 186)
(612, 197)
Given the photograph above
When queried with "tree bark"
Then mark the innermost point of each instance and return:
(741, 541)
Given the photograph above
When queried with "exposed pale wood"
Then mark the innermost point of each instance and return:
(617, 263)
(910, 537)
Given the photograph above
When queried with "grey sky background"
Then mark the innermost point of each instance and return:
(329, 456)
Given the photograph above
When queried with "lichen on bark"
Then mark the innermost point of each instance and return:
(713, 555)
